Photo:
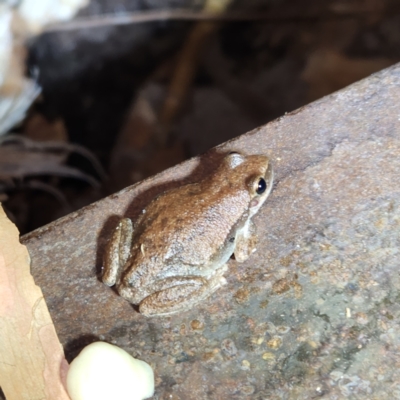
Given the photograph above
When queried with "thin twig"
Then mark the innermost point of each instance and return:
(188, 15)
(56, 193)
(57, 146)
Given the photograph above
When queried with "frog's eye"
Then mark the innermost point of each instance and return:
(261, 186)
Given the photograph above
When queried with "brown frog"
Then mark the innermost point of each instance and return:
(175, 254)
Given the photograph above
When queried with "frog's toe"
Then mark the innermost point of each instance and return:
(130, 294)
(220, 271)
(224, 268)
(222, 281)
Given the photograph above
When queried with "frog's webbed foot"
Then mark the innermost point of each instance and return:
(245, 243)
(180, 294)
(117, 251)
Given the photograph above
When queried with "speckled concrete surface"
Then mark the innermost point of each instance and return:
(313, 314)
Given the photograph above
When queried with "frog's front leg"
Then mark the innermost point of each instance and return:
(178, 293)
(245, 242)
(117, 251)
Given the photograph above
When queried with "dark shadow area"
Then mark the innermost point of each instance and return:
(74, 347)
(106, 88)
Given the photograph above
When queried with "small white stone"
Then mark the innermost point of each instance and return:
(103, 371)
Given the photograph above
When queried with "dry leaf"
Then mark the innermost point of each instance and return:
(21, 158)
(31, 356)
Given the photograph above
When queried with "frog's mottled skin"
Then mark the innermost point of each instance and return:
(175, 254)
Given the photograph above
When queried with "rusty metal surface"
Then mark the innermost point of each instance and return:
(314, 313)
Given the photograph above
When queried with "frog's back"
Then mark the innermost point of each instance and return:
(191, 223)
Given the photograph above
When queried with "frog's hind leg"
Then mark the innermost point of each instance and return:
(179, 294)
(117, 251)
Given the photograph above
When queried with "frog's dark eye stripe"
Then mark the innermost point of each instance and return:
(262, 185)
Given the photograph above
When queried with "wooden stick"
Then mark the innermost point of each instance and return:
(138, 17)
(186, 67)
(31, 356)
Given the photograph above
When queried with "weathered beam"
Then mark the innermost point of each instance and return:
(314, 311)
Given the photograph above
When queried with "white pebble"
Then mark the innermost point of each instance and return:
(103, 372)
